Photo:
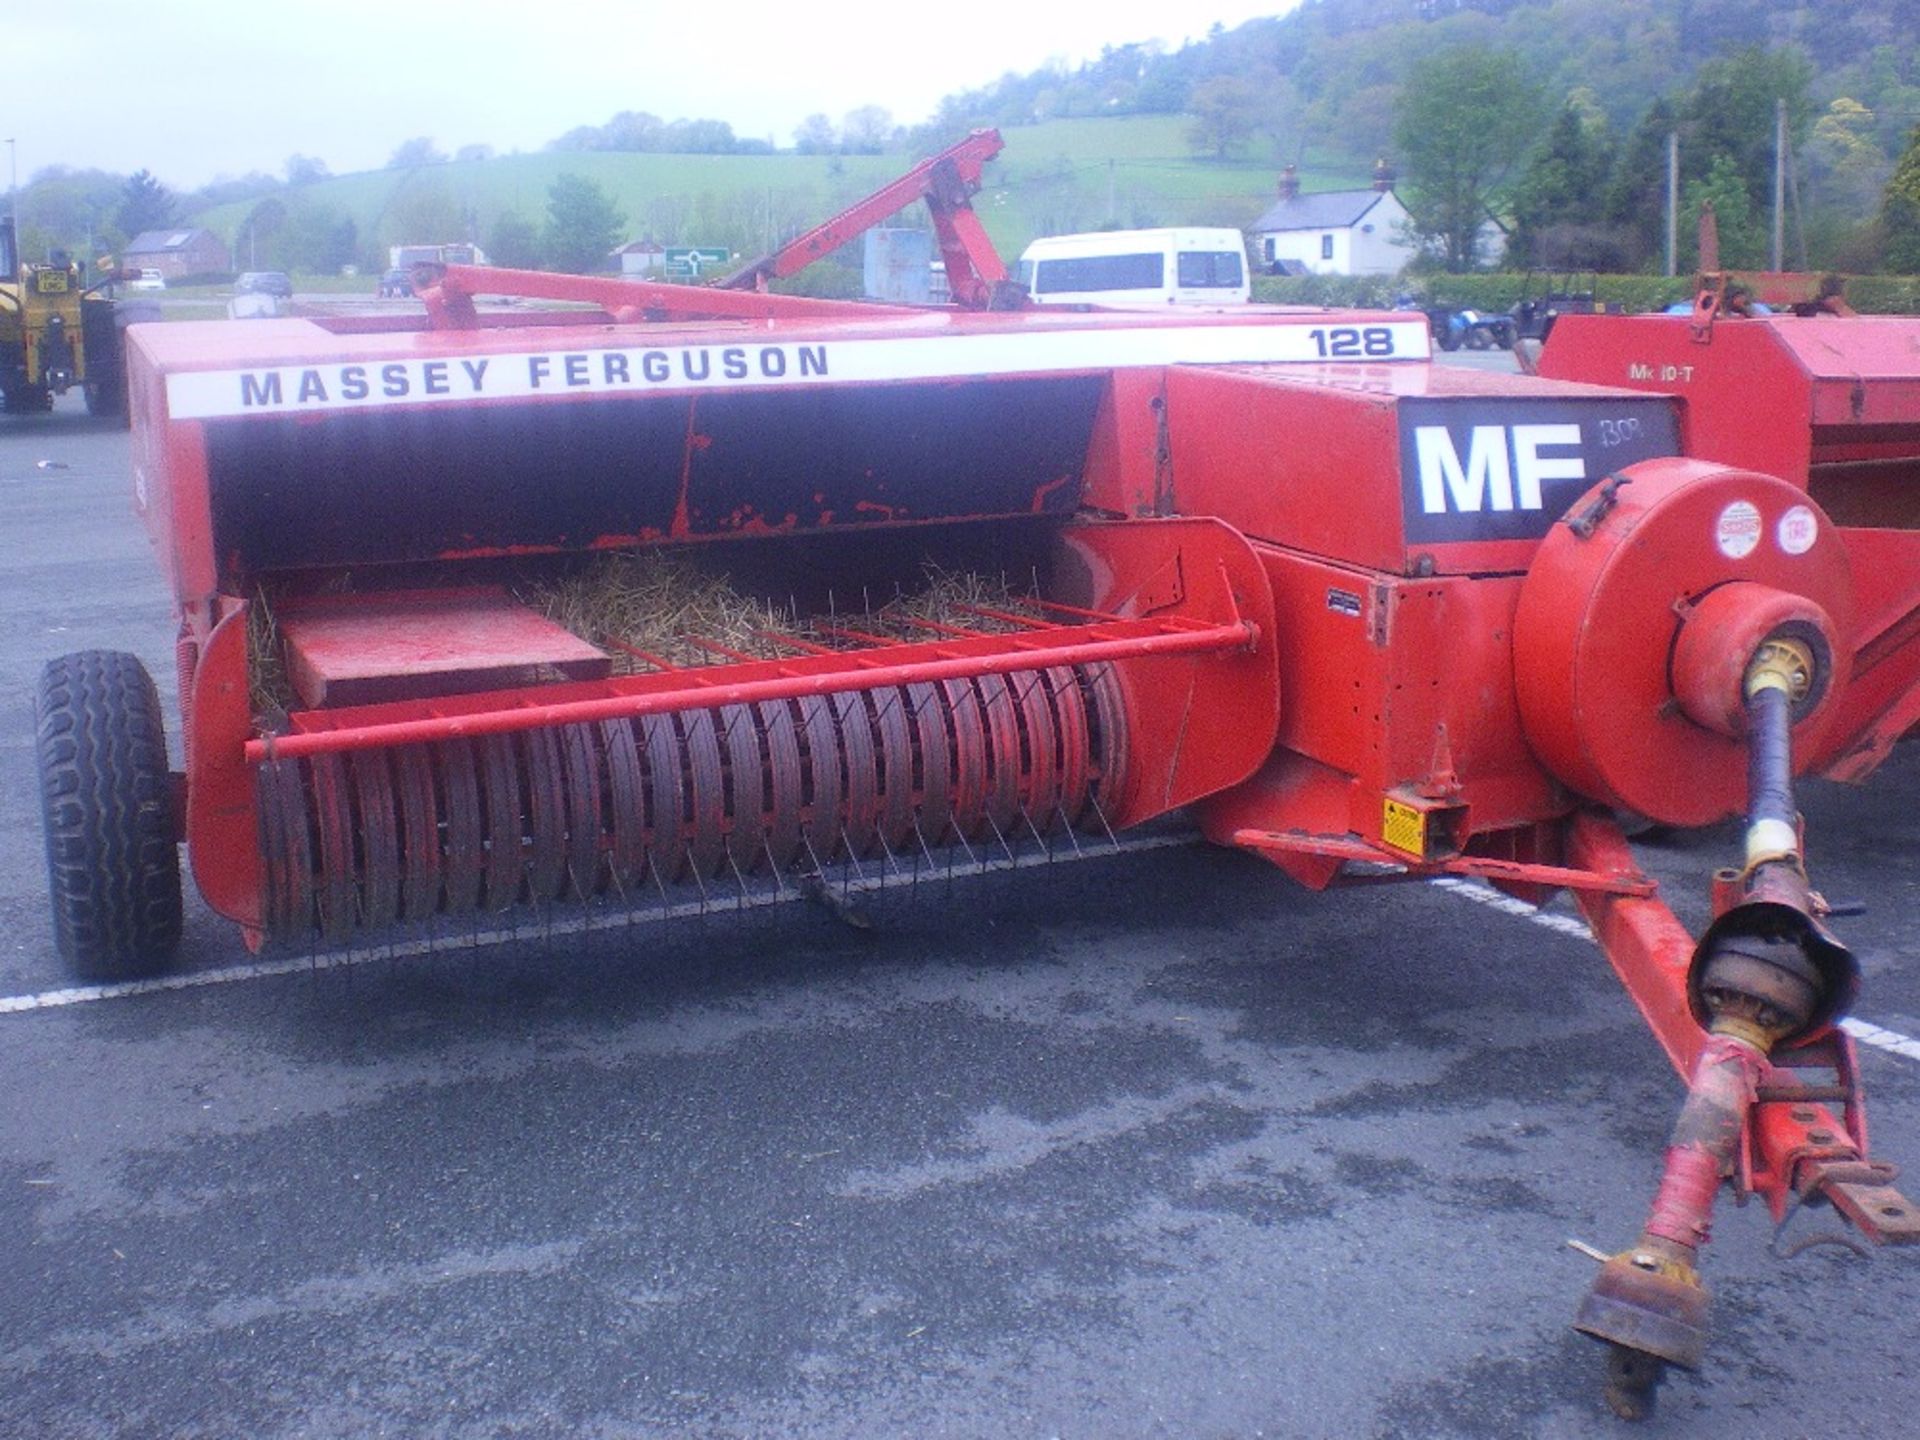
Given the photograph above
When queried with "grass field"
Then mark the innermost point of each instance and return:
(1062, 175)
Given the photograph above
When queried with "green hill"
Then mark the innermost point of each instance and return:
(1056, 176)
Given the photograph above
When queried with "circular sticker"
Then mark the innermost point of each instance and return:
(1738, 531)
(1797, 530)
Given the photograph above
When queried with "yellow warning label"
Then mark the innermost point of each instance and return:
(1404, 828)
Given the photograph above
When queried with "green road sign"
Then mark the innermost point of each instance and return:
(689, 262)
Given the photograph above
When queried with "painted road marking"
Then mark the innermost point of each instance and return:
(1878, 1036)
(588, 924)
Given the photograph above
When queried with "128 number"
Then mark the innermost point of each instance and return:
(1349, 342)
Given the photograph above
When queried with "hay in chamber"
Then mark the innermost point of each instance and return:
(269, 691)
(662, 603)
(956, 598)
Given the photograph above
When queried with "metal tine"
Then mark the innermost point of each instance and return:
(1066, 829)
(779, 880)
(1012, 859)
(740, 880)
(893, 863)
(1094, 800)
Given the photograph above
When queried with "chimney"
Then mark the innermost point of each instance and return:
(1383, 176)
(1289, 184)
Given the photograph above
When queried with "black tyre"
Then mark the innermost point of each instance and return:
(108, 399)
(29, 400)
(107, 804)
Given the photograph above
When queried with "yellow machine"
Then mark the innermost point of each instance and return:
(56, 334)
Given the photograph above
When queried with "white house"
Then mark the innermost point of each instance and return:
(637, 257)
(1335, 232)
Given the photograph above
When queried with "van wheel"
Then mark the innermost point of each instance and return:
(106, 800)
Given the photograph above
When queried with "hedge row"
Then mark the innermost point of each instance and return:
(1869, 294)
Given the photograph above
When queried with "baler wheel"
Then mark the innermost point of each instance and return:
(969, 736)
(333, 815)
(1070, 720)
(546, 817)
(585, 822)
(746, 804)
(935, 761)
(1110, 735)
(504, 830)
(823, 768)
(465, 863)
(106, 801)
(862, 772)
(786, 784)
(626, 792)
(419, 833)
(889, 711)
(379, 858)
(707, 836)
(1037, 748)
(1003, 754)
(666, 799)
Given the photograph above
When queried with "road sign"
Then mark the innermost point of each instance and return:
(689, 262)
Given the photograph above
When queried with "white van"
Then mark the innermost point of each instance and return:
(1137, 267)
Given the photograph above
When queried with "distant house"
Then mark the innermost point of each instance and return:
(176, 253)
(637, 257)
(1334, 232)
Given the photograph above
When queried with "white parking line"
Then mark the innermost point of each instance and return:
(592, 922)
(1878, 1036)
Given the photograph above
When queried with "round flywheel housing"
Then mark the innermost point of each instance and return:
(1603, 614)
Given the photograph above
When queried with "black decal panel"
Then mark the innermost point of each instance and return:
(1507, 468)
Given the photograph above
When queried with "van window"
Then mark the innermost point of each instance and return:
(1210, 270)
(1100, 272)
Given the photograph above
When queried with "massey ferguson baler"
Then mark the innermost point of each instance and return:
(1365, 616)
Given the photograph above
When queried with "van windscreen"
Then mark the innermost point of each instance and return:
(1100, 272)
(1210, 269)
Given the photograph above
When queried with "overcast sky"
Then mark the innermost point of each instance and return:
(197, 88)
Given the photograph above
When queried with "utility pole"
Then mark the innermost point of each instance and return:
(13, 200)
(1673, 202)
(1779, 182)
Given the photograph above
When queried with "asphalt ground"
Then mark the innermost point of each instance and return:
(1150, 1145)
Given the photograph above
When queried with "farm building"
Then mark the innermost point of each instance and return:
(1334, 232)
(177, 253)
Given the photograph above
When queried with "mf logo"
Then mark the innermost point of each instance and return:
(1504, 469)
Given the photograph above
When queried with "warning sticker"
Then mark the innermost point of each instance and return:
(1404, 828)
(1737, 532)
(1797, 530)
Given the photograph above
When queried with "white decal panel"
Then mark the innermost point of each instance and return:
(454, 379)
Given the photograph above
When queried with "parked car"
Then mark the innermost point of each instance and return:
(147, 280)
(396, 284)
(265, 282)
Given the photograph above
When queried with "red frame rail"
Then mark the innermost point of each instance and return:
(318, 732)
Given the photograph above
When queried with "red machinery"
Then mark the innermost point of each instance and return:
(1364, 615)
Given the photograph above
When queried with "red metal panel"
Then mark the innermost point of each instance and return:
(355, 649)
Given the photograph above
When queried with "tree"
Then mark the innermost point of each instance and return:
(865, 131)
(1226, 110)
(514, 241)
(467, 154)
(1730, 112)
(305, 170)
(1636, 202)
(424, 212)
(1465, 115)
(418, 151)
(319, 239)
(583, 224)
(1559, 200)
(145, 204)
(1900, 209)
(1743, 241)
(815, 136)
